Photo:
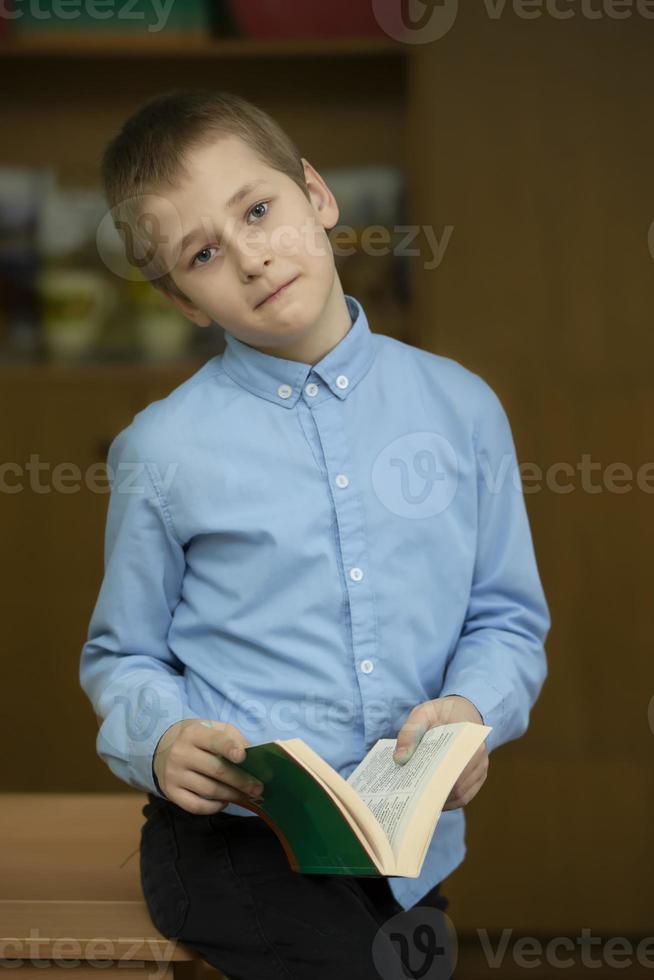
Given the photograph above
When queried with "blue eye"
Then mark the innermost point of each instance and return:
(260, 205)
(208, 248)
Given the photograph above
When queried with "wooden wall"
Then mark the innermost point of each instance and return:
(533, 139)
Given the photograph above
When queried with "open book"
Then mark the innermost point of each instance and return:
(378, 821)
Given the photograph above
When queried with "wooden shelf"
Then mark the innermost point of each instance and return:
(171, 44)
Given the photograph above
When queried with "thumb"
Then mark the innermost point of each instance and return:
(407, 741)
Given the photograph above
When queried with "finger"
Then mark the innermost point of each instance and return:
(409, 736)
(469, 777)
(457, 799)
(463, 799)
(218, 768)
(479, 756)
(211, 789)
(427, 715)
(221, 738)
(195, 804)
(461, 787)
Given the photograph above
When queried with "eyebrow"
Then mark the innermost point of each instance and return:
(235, 199)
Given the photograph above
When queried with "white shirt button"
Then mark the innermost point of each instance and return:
(356, 574)
(342, 381)
(367, 666)
(342, 480)
(311, 389)
(284, 391)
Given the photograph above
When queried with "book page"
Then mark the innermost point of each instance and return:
(390, 790)
(344, 797)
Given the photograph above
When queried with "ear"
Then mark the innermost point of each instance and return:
(190, 311)
(323, 200)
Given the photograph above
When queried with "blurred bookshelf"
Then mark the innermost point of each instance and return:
(328, 73)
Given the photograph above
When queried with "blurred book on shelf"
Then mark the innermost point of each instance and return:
(138, 16)
(21, 195)
(305, 18)
(67, 292)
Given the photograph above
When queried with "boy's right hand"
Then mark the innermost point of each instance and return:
(193, 763)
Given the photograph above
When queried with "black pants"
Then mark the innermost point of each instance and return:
(224, 887)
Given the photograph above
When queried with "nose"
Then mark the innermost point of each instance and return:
(253, 255)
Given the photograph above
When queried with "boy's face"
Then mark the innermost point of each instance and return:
(242, 253)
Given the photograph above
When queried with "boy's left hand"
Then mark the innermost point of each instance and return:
(446, 711)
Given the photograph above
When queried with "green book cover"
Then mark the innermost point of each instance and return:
(315, 835)
(377, 822)
(135, 16)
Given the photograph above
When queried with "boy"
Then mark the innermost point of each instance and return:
(317, 535)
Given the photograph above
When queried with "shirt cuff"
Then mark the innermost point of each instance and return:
(142, 746)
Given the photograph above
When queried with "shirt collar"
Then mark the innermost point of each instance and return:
(281, 381)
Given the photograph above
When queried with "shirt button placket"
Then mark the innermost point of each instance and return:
(350, 525)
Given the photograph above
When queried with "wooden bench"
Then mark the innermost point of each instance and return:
(70, 891)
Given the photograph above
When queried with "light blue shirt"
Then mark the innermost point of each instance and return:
(311, 551)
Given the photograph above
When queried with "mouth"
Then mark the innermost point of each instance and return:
(273, 296)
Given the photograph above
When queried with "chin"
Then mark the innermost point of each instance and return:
(294, 320)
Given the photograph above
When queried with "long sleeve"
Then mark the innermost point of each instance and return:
(134, 681)
(499, 662)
